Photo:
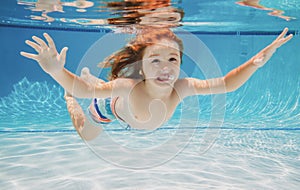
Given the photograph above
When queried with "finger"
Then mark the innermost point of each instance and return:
(29, 55)
(36, 47)
(50, 42)
(283, 33)
(40, 42)
(284, 40)
(287, 38)
(63, 54)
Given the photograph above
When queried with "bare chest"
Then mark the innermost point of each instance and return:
(145, 113)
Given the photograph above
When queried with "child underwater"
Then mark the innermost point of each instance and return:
(144, 88)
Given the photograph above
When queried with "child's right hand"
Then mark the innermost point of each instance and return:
(49, 59)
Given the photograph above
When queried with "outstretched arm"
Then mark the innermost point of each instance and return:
(53, 63)
(238, 76)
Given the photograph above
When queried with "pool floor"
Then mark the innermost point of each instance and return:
(239, 159)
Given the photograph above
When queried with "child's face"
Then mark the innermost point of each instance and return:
(161, 63)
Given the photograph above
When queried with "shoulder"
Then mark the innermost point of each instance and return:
(182, 87)
(192, 86)
(114, 88)
(124, 85)
(125, 82)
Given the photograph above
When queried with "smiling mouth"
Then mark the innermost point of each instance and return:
(165, 78)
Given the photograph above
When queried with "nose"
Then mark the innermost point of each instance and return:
(165, 69)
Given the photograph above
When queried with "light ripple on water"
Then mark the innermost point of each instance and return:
(238, 159)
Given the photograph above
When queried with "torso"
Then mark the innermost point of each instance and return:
(140, 111)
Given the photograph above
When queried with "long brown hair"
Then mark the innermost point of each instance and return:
(126, 62)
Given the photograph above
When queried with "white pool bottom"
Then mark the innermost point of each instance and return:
(239, 159)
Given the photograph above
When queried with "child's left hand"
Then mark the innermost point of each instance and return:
(47, 56)
(263, 56)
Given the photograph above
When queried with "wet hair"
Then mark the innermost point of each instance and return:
(126, 63)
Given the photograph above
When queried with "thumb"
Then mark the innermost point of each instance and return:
(63, 54)
(85, 71)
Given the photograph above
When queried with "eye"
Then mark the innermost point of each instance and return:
(172, 59)
(155, 61)
(171, 19)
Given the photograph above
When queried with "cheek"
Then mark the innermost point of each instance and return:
(177, 72)
(147, 70)
(176, 68)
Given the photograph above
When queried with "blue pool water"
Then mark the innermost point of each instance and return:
(257, 146)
